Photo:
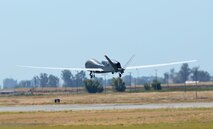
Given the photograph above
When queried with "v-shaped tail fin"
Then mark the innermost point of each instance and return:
(111, 63)
(129, 61)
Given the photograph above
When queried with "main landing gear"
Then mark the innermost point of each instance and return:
(92, 75)
(120, 74)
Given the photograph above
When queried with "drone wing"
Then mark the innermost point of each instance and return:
(160, 65)
(56, 68)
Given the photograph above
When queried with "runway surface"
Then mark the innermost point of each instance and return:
(78, 107)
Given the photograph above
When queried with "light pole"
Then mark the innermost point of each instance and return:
(137, 79)
(105, 83)
(77, 78)
(130, 76)
(156, 77)
(196, 80)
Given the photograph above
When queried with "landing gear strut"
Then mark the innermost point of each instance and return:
(92, 75)
(120, 75)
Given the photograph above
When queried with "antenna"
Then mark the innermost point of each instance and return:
(129, 61)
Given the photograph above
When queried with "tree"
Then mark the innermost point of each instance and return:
(100, 80)
(53, 81)
(36, 81)
(25, 84)
(194, 72)
(147, 86)
(127, 79)
(79, 78)
(118, 84)
(43, 80)
(166, 78)
(184, 73)
(200, 75)
(156, 85)
(9, 83)
(173, 76)
(67, 78)
(93, 86)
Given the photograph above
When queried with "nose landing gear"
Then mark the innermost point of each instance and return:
(120, 75)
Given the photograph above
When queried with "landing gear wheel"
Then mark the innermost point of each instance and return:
(120, 75)
(92, 75)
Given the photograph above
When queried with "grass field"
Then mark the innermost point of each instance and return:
(113, 119)
(138, 98)
(110, 119)
(191, 125)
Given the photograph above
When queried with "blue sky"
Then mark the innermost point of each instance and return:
(67, 33)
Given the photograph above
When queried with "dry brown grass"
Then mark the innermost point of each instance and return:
(182, 84)
(113, 117)
(140, 98)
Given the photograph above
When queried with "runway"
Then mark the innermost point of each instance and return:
(78, 107)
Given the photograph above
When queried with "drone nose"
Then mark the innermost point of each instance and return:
(121, 70)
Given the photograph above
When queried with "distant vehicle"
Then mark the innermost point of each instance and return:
(108, 66)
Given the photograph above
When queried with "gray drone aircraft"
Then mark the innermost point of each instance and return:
(108, 66)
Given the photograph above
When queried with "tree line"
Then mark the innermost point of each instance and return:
(184, 74)
(70, 80)
(45, 80)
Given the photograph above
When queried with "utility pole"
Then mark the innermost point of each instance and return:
(156, 77)
(77, 81)
(196, 79)
(136, 83)
(156, 74)
(35, 81)
(130, 76)
(105, 83)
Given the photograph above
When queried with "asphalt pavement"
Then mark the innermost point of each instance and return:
(78, 107)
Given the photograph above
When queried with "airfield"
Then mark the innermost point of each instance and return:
(144, 110)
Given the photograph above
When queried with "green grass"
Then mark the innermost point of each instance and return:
(184, 125)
